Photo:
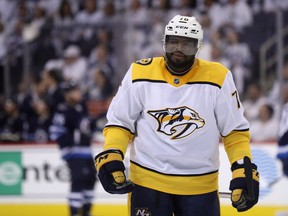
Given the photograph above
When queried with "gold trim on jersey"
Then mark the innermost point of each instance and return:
(174, 184)
(237, 145)
(203, 72)
(117, 137)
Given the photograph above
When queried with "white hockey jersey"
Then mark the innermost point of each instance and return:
(175, 122)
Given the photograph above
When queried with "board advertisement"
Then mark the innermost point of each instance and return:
(36, 173)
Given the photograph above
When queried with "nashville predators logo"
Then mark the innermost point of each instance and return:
(177, 122)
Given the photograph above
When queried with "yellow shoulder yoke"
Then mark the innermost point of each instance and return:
(154, 70)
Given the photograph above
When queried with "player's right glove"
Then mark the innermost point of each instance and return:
(244, 185)
(110, 167)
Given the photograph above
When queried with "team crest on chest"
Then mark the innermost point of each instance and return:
(177, 122)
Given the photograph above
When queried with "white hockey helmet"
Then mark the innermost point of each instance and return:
(184, 26)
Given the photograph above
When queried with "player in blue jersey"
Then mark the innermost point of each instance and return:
(71, 129)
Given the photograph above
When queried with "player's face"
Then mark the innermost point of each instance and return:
(180, 52)
(181, 46)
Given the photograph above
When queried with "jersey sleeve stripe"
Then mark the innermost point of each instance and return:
(122, 127)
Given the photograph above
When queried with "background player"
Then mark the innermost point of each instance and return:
(71, 128)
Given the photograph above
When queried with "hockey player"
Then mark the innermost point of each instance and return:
(172, 109)
(71, 128)
(283, 133)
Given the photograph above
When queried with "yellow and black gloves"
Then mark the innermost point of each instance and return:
(244, 185)
(110, 167)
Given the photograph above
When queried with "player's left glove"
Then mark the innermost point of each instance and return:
(244, 185)
(110, 169)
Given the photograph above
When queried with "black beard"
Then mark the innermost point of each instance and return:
(179, 68)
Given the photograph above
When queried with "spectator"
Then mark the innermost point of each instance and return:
(33, 29)
(161, 11)
(54, 96)
(217, 56)
(238, 52)
(34, 92)
(90, 15)
(39, 32)
(236, 14)
(88, 20)
(154, 47)
(265, 127)
(206, 47)
(239, 55)
(214, 10)
(36, 128)
(11, 123)
(21, 14)
(100, 57)
(74, 67)
(64, 17)
(253, 101)
(102, 36)
(139, 12)
(98, 97)
(64, 30)
(137, 28)
(109, 13)
(100, 87)
(274, 93)
(105, 36)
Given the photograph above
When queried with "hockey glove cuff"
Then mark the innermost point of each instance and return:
(244, 185)
(110, 167)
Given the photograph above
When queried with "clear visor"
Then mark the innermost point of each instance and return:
(188, 46)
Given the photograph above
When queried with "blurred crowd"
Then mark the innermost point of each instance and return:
(45, 42)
